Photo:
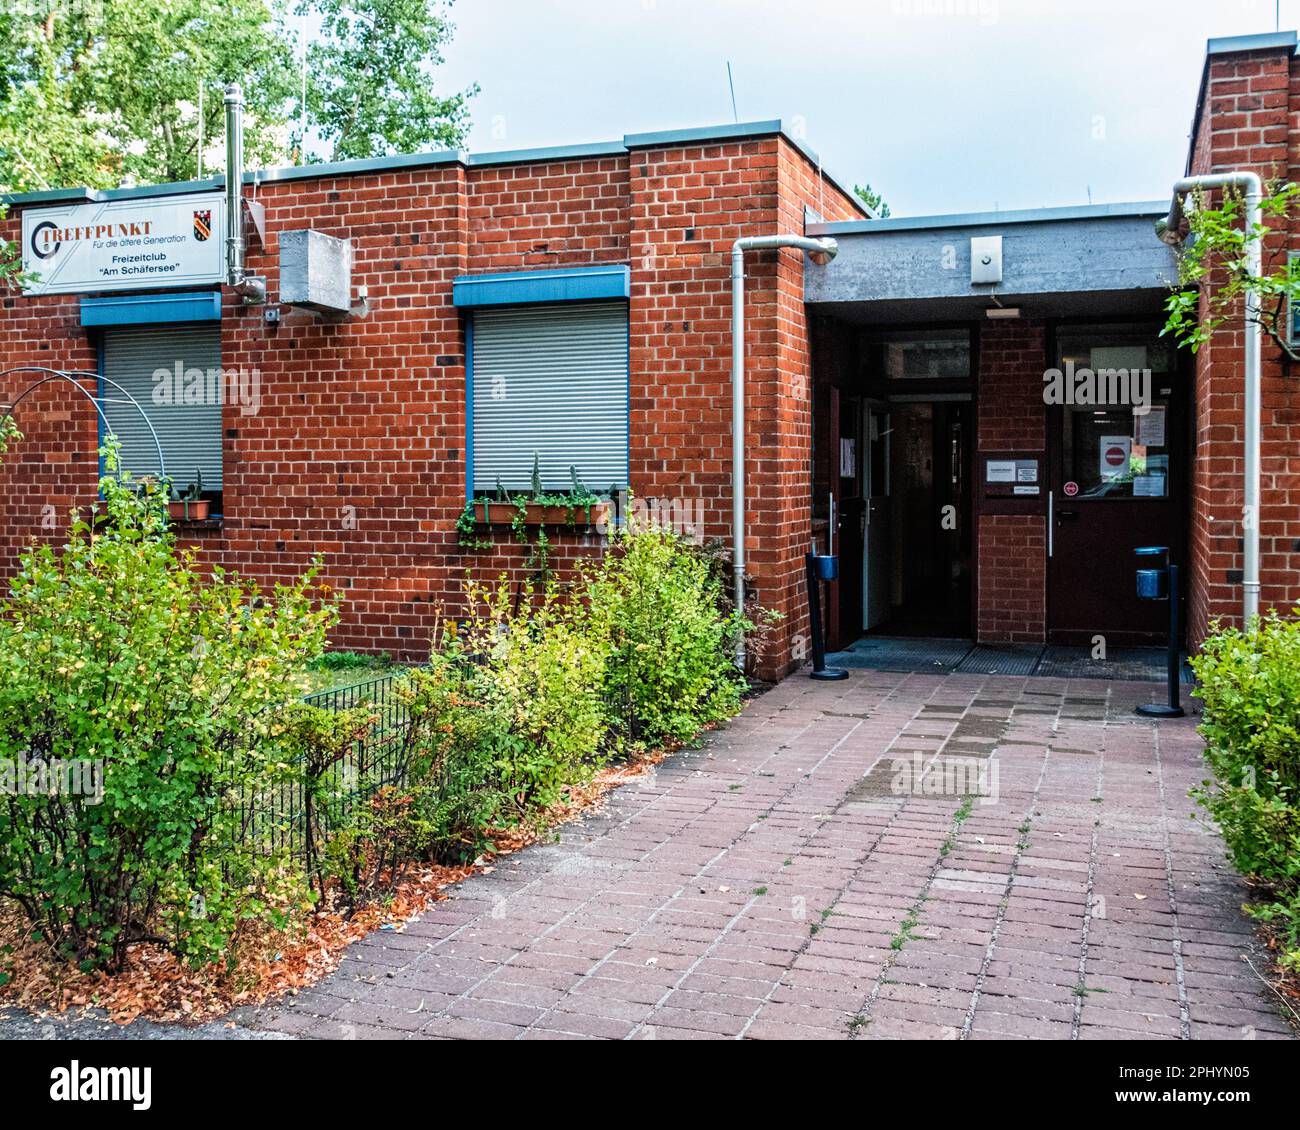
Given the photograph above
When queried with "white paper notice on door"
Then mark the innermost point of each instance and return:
(1148, 486)
(1112, 454)
(1149, 428)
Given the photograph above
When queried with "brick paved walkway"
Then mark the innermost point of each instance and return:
(772, 884)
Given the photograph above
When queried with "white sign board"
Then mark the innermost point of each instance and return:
(1113, 455)
(131, 244)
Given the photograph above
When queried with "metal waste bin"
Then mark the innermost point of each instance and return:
(1157, 579)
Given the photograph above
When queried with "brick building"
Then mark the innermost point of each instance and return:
(573, 306)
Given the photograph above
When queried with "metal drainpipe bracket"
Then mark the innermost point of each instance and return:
(252, 289)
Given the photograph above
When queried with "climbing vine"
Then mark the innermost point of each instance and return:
(1214, 267)
(577, 500)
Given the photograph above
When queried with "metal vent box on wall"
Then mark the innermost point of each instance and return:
(316, 271)
(986, 260)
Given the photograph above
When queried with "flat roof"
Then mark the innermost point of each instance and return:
(989, 219)
(1266, 41)
(699, 135)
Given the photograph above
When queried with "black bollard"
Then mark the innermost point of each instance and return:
(1174, 708)
(815, 568)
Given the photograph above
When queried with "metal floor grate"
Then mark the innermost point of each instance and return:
(898, 653)
(1133, 663)
(1006, 659)
(915, 655)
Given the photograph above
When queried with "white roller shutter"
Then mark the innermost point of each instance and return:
(550, 380)
(185, 413)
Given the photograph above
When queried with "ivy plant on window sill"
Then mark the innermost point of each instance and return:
(193, 524)
(534, 509)
(544, 512)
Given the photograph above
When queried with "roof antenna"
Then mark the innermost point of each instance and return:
(732, 85)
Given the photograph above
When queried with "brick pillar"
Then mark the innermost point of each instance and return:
(1244, 124)
(54, 467)
(1011, 557)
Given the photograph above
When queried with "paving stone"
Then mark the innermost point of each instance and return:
(880, 916)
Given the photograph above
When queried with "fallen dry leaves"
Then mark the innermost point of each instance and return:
(155, 985)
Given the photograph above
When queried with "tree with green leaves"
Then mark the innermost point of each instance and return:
(98, 93)
(370, 78)
(1214, 270)
(11, 260)
(872, 199)
(102, 92)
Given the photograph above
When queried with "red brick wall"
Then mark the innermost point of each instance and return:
(786, 502)
(1012, 578)
(1249, 105)
(548, 214)
(1011, 565)
(55, 466)
(357, 452)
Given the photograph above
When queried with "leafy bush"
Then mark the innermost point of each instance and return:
(116, 651)
(672, 635)
(536, 670)
(547, 662)
(457, 725)
(1250, 682)
(321, 744)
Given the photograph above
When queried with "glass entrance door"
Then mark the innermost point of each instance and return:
(877, 543)
(1117, 480)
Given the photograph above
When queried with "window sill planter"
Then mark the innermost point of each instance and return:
(537, 514)
(191, 510)
(214, 524)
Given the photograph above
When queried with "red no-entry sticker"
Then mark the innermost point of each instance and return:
(1071, 489)
(1115, 455)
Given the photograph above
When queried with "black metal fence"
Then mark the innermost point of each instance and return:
(378, 754)
(279, 818)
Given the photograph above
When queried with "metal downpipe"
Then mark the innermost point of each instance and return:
(1168, 231)
(823, 251)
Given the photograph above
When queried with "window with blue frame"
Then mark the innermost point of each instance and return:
(174, 375)
(162, 384)
(548, 380)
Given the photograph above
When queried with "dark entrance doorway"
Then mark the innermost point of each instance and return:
(904, 527)
(1117, 480)
(927, 537)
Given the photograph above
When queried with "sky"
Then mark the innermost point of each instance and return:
(941, 105)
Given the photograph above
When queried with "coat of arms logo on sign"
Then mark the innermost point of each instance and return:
(203, 224)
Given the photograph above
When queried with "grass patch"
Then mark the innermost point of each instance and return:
(337, 669)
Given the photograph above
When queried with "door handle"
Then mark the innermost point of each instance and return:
(1066, 515)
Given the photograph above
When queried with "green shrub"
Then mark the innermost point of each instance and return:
(116, 650)
(548, 663)
(1250, 682)
(457, 726)
(544, 662)
(672, 635)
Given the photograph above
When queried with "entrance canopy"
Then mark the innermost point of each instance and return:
(970, 492)
(1090, 261)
